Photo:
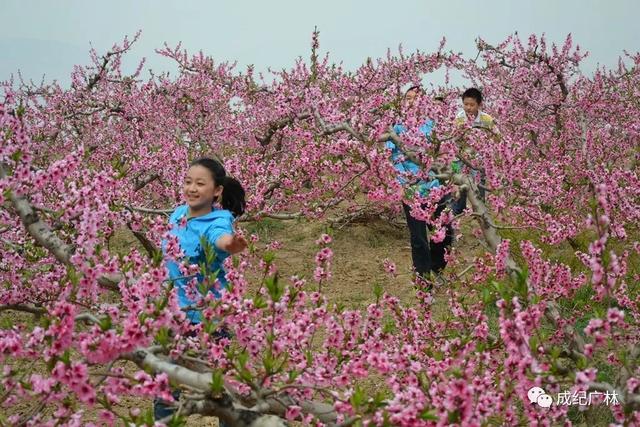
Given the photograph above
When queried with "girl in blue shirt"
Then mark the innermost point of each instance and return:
(214, 200)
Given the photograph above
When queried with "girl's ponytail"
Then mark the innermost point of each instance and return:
(233, 196)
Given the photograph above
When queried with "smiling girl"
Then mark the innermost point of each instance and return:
(214, 200)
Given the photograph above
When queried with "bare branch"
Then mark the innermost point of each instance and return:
(165, 212)
(93, 80)
(219, 405)
(88, 318)
(139, 185)
(281, 216)
(24, 308)
(278, 125)
(144, 241)
(340, 127)
(505, 227)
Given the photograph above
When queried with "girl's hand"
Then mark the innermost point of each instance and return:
(237, 244)
(231, 243)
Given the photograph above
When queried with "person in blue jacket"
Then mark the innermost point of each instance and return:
(213, 201)
(427, 256)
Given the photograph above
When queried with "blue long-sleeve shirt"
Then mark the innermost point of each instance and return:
(209, 227)
(406, 167)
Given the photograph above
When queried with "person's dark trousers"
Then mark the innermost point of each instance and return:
(162, 409)
(481, 191)
(438, 262)
(458, 205)
(426, 255)
(420, 248)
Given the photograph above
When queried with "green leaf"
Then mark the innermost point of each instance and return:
(268, 257)
(389, 327)
(358, 398)
(276, 290)
(142, 317)
(486, 295)
(429, 415)
(162, 337)
(66, 357)
(378, 400)
(105, 323)
(20, 110)
(293, 294)
(243, 358)
(147, 417)
(209, 327)
(454, 417)
(157, 258)
(162, 304)
(203, 287)
(177, 421)
(259, 302)
(217, 382)
(72, 275)
(581, 363)
(456, 372)
(208, 249)
(377, 291)
(245, 375)
(16, 156)
(293, 375)
(268, 362)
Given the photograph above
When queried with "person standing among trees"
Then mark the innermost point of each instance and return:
(428, 257)
(471, 112)
(204, 227)
(471, 115)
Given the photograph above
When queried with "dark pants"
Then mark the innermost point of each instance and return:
(426, 255)
(162, 409)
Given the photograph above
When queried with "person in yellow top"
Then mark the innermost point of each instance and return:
(471, 115)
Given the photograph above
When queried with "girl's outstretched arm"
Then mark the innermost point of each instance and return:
(231, 243)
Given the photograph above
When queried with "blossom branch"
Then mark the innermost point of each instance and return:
(46, 238)
(145, 358)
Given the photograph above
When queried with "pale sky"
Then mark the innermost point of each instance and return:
(48, 37)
